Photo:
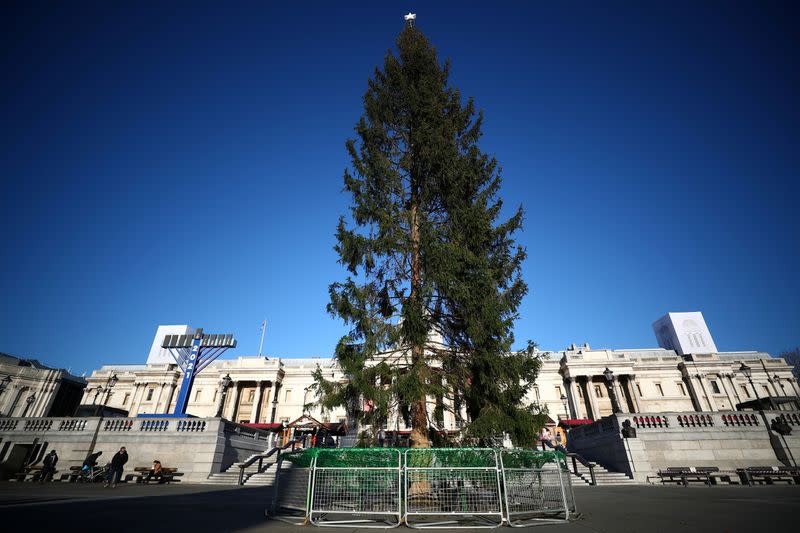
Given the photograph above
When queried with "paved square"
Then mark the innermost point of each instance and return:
(204, 508)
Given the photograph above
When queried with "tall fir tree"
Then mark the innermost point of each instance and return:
(434, 275)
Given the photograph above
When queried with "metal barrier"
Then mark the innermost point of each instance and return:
(538, 487)
(460, 487)
(357, 496)
(466, 488)
(292, 494)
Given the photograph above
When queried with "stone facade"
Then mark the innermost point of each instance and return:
(271, 390)
(29, 388)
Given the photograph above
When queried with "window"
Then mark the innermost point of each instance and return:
(126, 398)
(251, 396)
(558, 391)
(215, 396)
(659, 389)
(714, 387)
(766, 389)
(681, 389)
(150, 394)
(639, 389)
(598, 391)
(197, 394)
(745, 391)
(287, 396)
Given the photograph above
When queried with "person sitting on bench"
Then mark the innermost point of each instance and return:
(155, 473)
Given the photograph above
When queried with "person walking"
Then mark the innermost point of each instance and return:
(49, 466)
(115, 470)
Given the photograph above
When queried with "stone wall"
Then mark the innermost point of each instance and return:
(196, 446)
(727, 440)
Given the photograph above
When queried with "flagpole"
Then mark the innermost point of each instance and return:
(263, 329)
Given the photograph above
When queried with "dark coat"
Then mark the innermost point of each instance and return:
(50, 460)
(119, 460)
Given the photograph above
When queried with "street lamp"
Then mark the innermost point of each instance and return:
(777, 379)
(566, 411)
(29, 400)
(748, 373)
(609, 375)
(225, 383)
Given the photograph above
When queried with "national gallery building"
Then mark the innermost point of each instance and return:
(685, 373)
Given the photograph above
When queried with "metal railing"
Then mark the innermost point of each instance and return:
(260, 459)
(578, 459)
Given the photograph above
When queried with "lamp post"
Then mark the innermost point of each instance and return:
(609, 375)
(777, 379)
(564, 401)
(110, 382)
(225, 383)
(29, 400)
(748, 373)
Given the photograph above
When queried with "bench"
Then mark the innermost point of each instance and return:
(32, 473)
(71, 476)
(140, 474)
(684, 474)
(768, 475)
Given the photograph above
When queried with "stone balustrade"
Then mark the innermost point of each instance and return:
(42, 425)
(196, 446)
(640, 443)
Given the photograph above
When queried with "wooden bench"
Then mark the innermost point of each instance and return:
(32, 473)
(768, 475)
(684, 474)
(71, 476)
(140, 474)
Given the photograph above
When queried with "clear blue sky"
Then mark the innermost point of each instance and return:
(181, 163)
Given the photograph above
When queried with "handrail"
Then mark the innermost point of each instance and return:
(578, 459)
(260, 458)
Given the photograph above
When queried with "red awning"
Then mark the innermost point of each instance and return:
(573, 422)
(264, 426)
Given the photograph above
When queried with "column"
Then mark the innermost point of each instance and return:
(616, 386)
(774, 386)
(721, 378)
(232, 408)
(702, 382)
(275, 402)
(158, 397)
(573, 398)
(137, 399)
(257, 403)
(591, 397)
(633, 392)
(735, 390)
(794, 386)
(170, 395)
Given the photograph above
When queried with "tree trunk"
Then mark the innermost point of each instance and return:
(419, 408)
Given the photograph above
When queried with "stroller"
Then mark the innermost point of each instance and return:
(91, 472)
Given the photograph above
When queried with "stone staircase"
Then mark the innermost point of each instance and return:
(252, 477)
(603, 476)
